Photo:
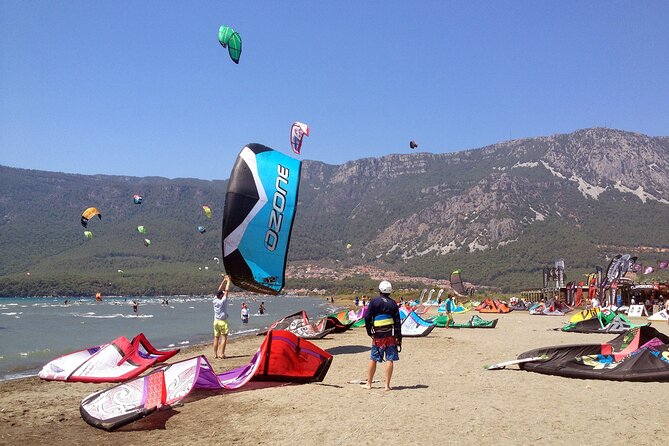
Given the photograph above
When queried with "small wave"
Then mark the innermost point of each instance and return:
(10, 314)
(12, 376)
(38, 352)
(241, 332)
(94, 316)
(184, 342)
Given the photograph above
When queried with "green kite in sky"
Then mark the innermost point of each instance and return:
(230, 39)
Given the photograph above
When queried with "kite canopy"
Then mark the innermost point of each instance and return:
(207, 211)
(201, 229)
(602, 322)
(230, 39)
(88, 214)
(117, 361)
(88, 234)
(141, 229)
(474, 322)
(297, 133)
(415, 326)
(137, 199)
(258, 218)
(492, 306)
(299, 324)
(456, 283)
(147, 242)
(412, 144)
(639, 354)
(281, 357)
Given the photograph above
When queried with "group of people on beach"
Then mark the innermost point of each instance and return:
(382, 322)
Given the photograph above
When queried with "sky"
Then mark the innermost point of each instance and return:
(145, 89)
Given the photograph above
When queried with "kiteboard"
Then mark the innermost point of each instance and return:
(361, 381)
(501, 365)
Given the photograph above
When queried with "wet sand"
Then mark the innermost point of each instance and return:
(442, 395)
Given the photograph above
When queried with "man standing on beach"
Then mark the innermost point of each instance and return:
(383, 325)
(220, 318)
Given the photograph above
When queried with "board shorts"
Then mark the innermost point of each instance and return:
(384, 347)
(220, 328)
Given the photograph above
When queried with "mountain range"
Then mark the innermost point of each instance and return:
(500, 214)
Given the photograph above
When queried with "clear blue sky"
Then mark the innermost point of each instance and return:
(143, 88)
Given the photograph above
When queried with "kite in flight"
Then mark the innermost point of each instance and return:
(297, 133)
(413, 144)
(137, 199)
(230, 39)
(207, 211)
(258, 218)
(88, 214)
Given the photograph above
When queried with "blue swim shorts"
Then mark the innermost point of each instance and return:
(384, 349)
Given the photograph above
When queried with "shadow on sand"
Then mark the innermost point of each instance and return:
(347, 349)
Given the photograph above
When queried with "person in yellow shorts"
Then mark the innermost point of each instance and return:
(221, 318)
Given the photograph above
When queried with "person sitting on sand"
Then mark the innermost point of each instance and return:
(383, 325)
(220, 318)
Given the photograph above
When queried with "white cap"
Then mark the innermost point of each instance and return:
(385, 287)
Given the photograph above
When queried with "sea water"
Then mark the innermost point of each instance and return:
(33, 331)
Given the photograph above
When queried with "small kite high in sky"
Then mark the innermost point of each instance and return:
(413, 144)
(230, 39)
(207, 211)
(137, 199)
(297, 133)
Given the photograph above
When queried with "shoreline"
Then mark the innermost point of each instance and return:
(198, 342)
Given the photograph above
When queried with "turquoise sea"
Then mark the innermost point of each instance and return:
(34, 330)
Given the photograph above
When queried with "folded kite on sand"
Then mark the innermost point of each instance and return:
(299, 324)
(281, 357)
(414, 325)
(474, 322)
(603, 322)
(117, 361)
(639, 354)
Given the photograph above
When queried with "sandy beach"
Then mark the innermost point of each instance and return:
(442, 394)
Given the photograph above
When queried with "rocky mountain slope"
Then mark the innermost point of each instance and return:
(500, 212)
